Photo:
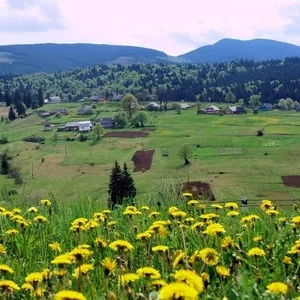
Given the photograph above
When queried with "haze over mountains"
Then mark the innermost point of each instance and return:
(49, 58)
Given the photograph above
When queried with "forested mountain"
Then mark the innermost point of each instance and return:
(272, 80)
(230, 49)
(26, 59)
(50, 58)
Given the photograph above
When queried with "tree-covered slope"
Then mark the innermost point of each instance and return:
(230, 49)
(25, 59)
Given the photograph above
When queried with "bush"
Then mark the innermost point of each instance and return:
(259, 132)
(82, 138)
(15, 174)
(3, 140)
(34, 139)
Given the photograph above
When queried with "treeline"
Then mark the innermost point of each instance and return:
(270, 80)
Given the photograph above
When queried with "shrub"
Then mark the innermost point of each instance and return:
(3, 140)
(259, 132)
(82, 138)
(15, 174)
(34, 139)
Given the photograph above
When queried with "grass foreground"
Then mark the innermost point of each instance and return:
(188, 251)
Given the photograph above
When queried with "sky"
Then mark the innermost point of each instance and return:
(172, 26)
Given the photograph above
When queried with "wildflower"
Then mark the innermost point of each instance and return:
(34, 278)
(178, 214)
(98, 216)
(158, 283)
(217, 206)
(84, 269)
(145, 208)
(69, 295)
(7, 214)
(11, 232)
(128, 212)
(46, 202)
(4, 269)
(222, 271)
(80, 221)
(16, 211)
(60, 273)
(296, 248)
(27, 287)
(178, 290)
(8, 286)
(2, 249)
(17, 218)
(40, 219)
(144, 236)
(197, 225)
(187, 194)
(189, 220)
(277, 288)
(190, 278)
(129, 278)
(266, 204)
(163, 232)
(109, 266)
(100, 243)
(154, 214)
(205, 278)
(23, 224)
(2, 209)
(62, 260)
(295, 206)
(208, 217)
(233, 213)
(226, 242)
(32, 210)
(194, 257)
(80, 254)
(272, 212)
(111, 223)
(160, 249)
(121, 246)
(172, 209)
(214, 229)
(287, 260)
(231, 205)
(257, 239)
(296, 220)
(148, 272)
(249, 219)
(193, 202)
(179, 259)
(256, 252)
(202, 207)
(46, 274)
(282, 220)
(55, 246)
(209, 256)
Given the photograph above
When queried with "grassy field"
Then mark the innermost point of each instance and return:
(231, 158)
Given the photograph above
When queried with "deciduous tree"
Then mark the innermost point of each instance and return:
(186, 153)
(98, 130)
(130, 105)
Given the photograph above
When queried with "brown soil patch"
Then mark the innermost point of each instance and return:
(126, 134)
(199, 190)
(291, 181)
(142, 160)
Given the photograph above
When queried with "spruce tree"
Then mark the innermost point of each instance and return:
(115, 186)
(11, 114)
(40, 97)
(128, 186)
(7, 98)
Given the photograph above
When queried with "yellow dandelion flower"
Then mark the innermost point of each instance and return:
(187, 194)
(190, 278)
(233, 213)
(257, 239)
(99, 216)
(111, 223)
(80, 221)
(16, 211)
(154, 214)
(287, 260)
(226, 242)
(4, 269)
(34, 278)
(69, 295)
(266, 204)
(179, 259)
(178, 214)
(282, 220)
(158, 283)
(80, 253)
(202, 206)
(148, 272)
(27, 287)
(55, 246)
(144, 236)
(172, 209)
(46, 273)
(222, 271)
(145, 208)
(121, 246)
(249, 219)
(231, 205)
(2, 209)
(277, 288)
(256, 252)
(193, 202)
(100, 243)
(40, 219)
(91, 224)
(23, 224)
(189, 221)
(208, 217)
(296, 220)
(194, 258)
(160, 249)
(46, 202)
(109, 265)
(129, 278)
(84, 270)
(11, 232)
(60, 273)
(2, 249)
(217, 206)
(32, 210)
(272, 212)
(205, 277)
(209, 256)
(17, 218)
(178, 290)
(8, 286)
(198, 226)
(129, 212)
(62, 260)
(106, 211)
(7, 214)
(214, 229)
(163, 232)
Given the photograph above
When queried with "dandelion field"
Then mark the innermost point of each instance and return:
(188, 251)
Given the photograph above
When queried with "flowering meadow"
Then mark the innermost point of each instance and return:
(188, 251)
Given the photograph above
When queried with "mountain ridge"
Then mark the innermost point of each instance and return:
(53, 57)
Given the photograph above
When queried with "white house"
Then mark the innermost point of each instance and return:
(54, 100)
(85, 126)
(212, 109)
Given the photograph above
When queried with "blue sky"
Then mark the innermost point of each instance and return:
(171, 26)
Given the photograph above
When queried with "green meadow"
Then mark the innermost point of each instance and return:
(227, 154)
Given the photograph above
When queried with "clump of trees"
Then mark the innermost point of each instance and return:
(34, 139)
(120, 119)
(121, 186)
(140, 119)
(7, 169)
(287, 104)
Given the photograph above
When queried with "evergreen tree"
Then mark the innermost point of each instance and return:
(4, 163)
(1, 95)
(230, 97)
(21, 108)
(27, 99)
(128, 186)
(7, 98)
(40, 97)
(11, 114)
(115, 185)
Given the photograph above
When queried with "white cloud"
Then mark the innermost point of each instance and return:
(172, 26)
